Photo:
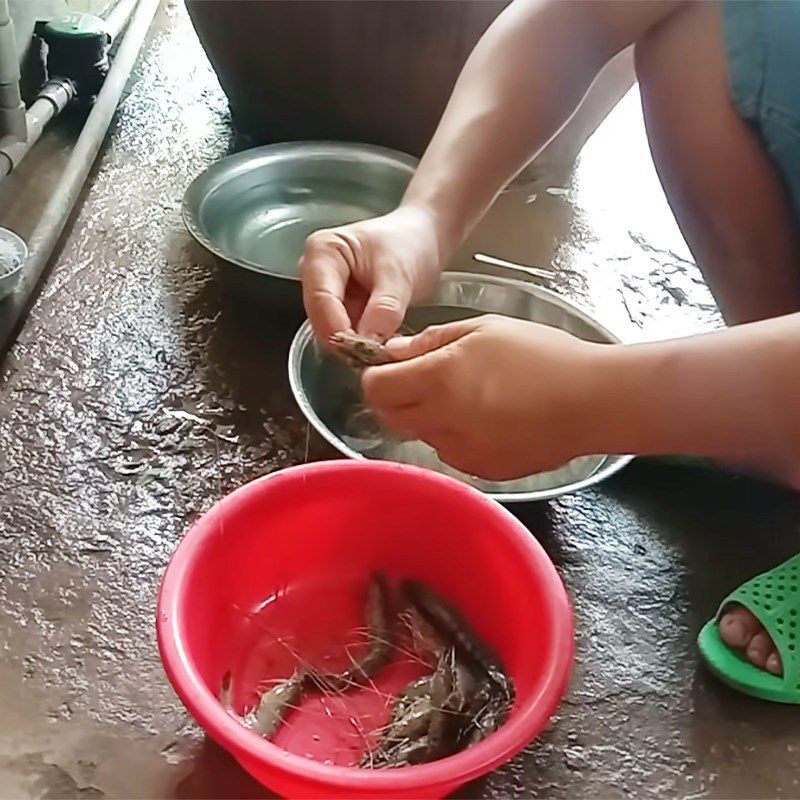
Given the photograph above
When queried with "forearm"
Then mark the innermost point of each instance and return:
(733, 395)
(521, 84)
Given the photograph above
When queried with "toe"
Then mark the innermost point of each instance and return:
(738, 626)
(740, 630)
(774, 664)
(759, 649)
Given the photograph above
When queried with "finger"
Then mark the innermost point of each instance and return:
(355, 300)
(404, 383)
(386, 306)
(413, 422)
(324, 274)
(456, 449)
(450, 454)
(482, 467)
(404, 348)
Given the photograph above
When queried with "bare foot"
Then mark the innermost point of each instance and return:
(741, 631)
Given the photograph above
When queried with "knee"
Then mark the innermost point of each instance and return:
(684, 50)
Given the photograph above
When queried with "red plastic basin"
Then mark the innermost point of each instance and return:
(294, 550)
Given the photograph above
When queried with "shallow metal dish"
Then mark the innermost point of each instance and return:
(13, 253)
(329, 392)
(256, 208)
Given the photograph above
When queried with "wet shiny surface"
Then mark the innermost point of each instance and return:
(143, 387)
(608, 229)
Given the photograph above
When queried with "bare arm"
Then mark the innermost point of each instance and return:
(733, 394)
(521, 84)
(474, 390)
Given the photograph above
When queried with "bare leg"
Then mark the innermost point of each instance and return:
(725, 193)
(728, 199)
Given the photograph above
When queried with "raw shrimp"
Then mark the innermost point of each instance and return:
(273, 706)
(450, 625)
(360, 351)
(381, 638)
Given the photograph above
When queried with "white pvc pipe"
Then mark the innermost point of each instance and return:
(118, 17)
(52, 99)
(12, 109)
(48, 230)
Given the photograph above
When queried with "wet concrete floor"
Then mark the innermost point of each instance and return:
(100, 478)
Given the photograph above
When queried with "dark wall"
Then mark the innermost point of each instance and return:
(377, 71)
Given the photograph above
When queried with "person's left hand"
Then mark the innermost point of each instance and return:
(496, 397)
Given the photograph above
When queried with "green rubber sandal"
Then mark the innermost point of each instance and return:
(774, 599)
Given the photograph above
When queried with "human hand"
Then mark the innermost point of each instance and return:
(364, 276)
(496, 397)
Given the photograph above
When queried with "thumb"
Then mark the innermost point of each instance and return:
(435, 337)
(386, 307)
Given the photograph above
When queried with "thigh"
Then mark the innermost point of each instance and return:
(725, 188)
(762, 41)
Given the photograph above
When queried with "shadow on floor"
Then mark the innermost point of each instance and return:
(216, 775)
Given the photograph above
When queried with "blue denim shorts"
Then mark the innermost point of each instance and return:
(762, 39)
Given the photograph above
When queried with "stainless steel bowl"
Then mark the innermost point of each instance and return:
(256, 208)
(13, 252)
(329, 392)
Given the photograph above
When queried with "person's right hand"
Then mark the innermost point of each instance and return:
(496, 397)
(364, 276)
